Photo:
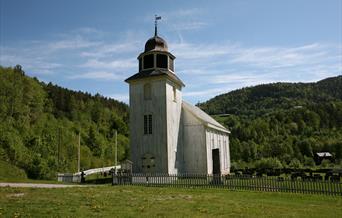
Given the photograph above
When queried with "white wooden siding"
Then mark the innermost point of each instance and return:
(194, 144)
(216, 139)
(156, 143)
(173, 113)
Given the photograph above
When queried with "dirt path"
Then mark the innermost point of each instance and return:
(37, 185)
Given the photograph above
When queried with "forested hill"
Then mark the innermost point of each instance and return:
(282, 122)
(39, 126)
(263, 98)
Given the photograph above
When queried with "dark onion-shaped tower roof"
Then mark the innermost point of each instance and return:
(156, 43)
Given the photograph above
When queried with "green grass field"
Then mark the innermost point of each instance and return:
(132, 201)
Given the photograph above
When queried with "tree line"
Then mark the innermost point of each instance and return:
(40, 124)
(282, 124)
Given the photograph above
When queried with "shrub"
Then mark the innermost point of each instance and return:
(325, 163)
(295, 163)
(237, 165)
(309, 161)
(267, 163)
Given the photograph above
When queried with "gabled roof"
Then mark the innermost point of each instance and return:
(155, 72)
(203, 117)
(324, 154)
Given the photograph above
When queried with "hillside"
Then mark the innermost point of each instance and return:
(280, 124)
(39, 126)
(288, 122)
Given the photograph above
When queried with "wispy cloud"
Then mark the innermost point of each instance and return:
(77, 51)
(207, 69)
(124, 97)
(198, 51)
(227, 66)
(205, 92)
(100, 75)
(256, 58)
(281, 57)
(112, 48)
(76, 42)
(116, 65)
(182, 19)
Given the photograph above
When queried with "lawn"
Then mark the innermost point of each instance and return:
(132, 201)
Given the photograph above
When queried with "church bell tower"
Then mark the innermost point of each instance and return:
(155, 101)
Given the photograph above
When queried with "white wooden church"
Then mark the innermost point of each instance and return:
(167, 134)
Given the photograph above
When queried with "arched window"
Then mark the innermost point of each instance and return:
(148, 61)
(147, 91)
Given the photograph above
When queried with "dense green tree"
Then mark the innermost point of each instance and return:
(289, 121)
(40, 124)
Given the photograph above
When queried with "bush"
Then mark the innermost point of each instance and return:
(268, 163)
(238, 165)
(296, 164)
(325, 163)
(309, 162)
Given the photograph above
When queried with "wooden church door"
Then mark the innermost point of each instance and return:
(216, 161)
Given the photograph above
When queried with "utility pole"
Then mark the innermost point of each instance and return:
(79, 152)
(116, 149)
(58, 146)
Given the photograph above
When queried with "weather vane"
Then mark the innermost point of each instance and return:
(156, 18)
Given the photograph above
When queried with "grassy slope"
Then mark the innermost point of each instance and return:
(9, 172)
(108, 201)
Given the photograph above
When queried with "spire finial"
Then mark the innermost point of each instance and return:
(155, 24)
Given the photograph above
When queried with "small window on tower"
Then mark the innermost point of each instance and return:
(161, 61)
(174, 94)
(148, 124)
(148, 61)
(147, 91)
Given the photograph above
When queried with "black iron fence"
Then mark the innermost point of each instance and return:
(232, 182)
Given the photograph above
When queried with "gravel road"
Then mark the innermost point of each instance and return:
(37, 185)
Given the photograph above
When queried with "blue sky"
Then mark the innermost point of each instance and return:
(219, 45)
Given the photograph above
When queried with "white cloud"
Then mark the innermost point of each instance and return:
(76, 42)
(189, 25)
(197, 51)
(118, 64)
(100, 75)
(208, 58)
(207, 69)
(182, 19)
(215, 68)
(112, 48)
(32, 63)
(124, 97)
(205, 92)
(279, 56)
